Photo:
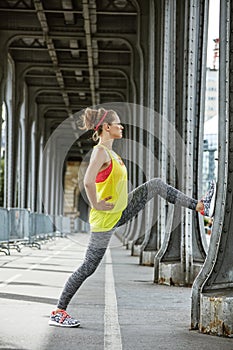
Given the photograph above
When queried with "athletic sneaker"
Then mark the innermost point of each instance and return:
(62, 319)
(209, 200)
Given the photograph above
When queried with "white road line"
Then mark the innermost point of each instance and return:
(112, 333)
(9, 280)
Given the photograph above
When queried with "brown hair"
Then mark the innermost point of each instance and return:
(91, 117)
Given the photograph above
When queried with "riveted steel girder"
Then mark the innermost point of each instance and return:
(212, 294)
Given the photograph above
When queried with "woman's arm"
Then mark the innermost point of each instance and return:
(98, 158)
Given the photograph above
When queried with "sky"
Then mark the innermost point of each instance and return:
(213, 30)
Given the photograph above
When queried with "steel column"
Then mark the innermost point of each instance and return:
(176, 261)
(212, 293)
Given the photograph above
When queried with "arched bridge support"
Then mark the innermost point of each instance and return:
(183, 249)
(212, 293)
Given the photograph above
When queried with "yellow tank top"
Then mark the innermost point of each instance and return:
(115, 186)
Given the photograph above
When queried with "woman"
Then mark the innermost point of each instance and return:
(105, 182)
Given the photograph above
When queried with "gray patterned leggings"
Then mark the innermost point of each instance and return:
(99, 240)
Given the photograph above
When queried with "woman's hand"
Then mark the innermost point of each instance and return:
(104, 205)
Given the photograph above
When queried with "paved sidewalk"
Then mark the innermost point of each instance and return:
(119, 307)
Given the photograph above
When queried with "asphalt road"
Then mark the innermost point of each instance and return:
(119, 306)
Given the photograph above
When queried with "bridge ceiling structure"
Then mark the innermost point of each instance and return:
(74, 53)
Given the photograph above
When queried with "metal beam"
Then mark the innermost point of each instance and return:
(88, 32)
(51, 49)
(105, 13)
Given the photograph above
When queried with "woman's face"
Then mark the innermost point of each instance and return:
(115, 128)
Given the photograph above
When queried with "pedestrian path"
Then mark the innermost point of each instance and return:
(119, 307)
